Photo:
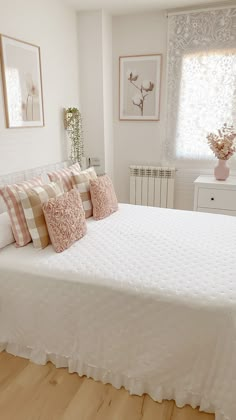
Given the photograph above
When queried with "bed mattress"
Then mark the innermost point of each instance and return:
(146, 300)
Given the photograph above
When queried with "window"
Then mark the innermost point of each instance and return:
(207, 100)
(202, 81)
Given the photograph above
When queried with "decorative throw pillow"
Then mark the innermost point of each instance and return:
(32, 200)
(65, 220)
(81, 183)
(103, 197)
(64, 175)
(6, 234)
(15, 209)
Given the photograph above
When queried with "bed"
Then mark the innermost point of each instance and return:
(146, 300)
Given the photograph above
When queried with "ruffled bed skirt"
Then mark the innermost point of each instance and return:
(132, 385)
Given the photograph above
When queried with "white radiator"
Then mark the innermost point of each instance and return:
(152, 186)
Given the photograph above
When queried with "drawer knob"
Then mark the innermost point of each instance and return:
(212, 199)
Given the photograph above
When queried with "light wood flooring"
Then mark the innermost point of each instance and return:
(32, 392)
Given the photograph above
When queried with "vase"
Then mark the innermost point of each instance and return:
(221, 170)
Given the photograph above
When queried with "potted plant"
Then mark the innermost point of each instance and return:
(73, 126)
(223, 146)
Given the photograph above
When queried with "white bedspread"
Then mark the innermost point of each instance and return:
(146, 300)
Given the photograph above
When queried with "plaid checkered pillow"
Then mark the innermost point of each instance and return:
(81, 183)
(32, 200)
(15, 210)
(64, 175)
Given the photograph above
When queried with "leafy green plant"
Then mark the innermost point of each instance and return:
(73, 126)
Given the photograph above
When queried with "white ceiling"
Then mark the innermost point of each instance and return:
(119, 7)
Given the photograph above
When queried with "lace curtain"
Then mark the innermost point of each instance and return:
(201, 81)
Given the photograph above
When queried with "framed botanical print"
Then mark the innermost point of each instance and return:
(140, 84)
(22, 83)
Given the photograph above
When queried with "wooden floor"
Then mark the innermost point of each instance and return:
(32, 392)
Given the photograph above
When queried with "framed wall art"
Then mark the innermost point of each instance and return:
(22, 83)
(140, 84)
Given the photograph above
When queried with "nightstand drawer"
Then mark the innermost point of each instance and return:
(217, 211)
(216, 198)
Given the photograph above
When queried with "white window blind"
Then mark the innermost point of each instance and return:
(201, 81)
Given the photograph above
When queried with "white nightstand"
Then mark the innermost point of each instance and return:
(214, 196)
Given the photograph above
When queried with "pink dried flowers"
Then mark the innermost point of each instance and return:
(223, 144)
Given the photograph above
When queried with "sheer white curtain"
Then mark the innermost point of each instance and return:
(201, 81)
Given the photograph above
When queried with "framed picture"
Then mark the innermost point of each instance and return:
(22, 83)
(140, 83)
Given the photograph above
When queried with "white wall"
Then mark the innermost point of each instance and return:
(142, 142)
(137, 142)
(108, 94)
(95, 79)
(91, 82)
(52, 26)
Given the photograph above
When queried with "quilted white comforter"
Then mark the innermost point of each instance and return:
(146, 300)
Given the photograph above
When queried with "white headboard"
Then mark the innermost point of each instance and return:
(28, 174)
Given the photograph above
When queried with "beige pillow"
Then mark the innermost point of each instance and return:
(32, 200)
(81, 183)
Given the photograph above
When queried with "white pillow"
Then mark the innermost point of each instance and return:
(6, 234)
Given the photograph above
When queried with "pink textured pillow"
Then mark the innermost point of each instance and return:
(103, 197)
(65, 220)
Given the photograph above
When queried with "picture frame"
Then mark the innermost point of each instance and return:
(22, 83)
(140, 87)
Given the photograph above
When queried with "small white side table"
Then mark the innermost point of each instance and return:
(212, 196)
